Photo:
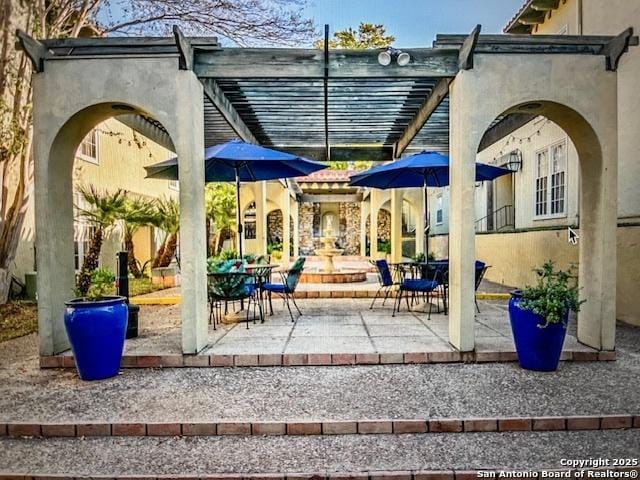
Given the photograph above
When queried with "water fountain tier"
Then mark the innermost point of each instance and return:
(328, 251)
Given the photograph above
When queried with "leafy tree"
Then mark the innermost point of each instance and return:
(368, 35)
(103, 211)
(243, 22)
(220, 201)
(168, 215)
(135, 214)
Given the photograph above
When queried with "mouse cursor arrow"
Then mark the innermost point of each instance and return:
(572, 236)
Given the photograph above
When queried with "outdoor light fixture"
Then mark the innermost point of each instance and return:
(515, 161)
(385, 57)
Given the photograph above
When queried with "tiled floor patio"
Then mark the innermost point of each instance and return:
(331, 326)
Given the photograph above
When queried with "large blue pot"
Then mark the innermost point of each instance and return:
(96, 330)
(538, 348)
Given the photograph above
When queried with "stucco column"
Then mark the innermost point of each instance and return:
(296, 227)
(461, 224)
(286, 227)
(260, 190)
(396, 225)
(188, 137)
(373, 223)
(365, 211)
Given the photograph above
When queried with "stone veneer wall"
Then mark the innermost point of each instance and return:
(306, 228)
(309, 228)
(275, 226)
(384, 225)
(350, 228)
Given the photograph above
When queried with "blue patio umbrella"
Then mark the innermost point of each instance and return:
(424, 169)
(238, 161)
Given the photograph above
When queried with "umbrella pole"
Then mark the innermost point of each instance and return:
(426, 220)
(238, 213)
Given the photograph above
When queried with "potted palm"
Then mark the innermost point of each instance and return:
(539, 316)
(96, 324)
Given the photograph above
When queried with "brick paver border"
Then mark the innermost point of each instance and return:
(318, 427)
(320, 359)
(371, 475)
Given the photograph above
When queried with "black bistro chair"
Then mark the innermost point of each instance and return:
(287, 288)
(230, 287)
(410, 287)
(386, 281)
(481, 269)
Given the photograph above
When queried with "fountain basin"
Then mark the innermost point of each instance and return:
(311, 275)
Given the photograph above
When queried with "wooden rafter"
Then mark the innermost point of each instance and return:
(227, 110)
(465, 55)
(34, 49)
(439, 92)
(616, 47)
(184, 49)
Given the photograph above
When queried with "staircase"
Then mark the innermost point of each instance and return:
(501, 219)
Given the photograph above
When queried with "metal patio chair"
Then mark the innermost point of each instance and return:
(386, 281)
(287, 288)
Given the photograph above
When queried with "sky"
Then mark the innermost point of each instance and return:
(415, 23)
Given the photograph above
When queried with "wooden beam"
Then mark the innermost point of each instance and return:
(35, 50)
(503, 128)
(614, 50)
(184, 49)
(227, 110)
(309, 63)
(340, 153)
(465, 56)
(439, 92)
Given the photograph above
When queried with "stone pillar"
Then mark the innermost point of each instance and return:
(461, 227)
(260, 190)
(396, 225)
(286, 227)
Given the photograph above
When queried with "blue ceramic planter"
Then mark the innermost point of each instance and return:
(538, 348)
(96, 330)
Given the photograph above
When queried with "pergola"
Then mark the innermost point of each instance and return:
(328, 105)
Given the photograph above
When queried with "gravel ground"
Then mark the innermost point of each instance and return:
(349, 453)
(321, 393)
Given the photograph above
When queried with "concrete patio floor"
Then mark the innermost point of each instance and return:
(333, 326)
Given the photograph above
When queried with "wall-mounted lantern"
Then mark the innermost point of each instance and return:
(514, 160)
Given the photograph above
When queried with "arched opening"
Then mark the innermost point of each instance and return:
(556, 188)
(384, 229)
(275, 234)
(409, 237)
(93, 156)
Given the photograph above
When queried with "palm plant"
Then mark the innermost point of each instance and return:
(168, 219)
(221, 210)
(135, 214)
(102, 212)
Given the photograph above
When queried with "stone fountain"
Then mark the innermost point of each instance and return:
(328, 251)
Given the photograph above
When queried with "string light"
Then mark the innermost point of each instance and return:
(512, 138)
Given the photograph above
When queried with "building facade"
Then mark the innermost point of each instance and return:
(111, 157)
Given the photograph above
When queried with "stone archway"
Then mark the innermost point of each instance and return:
(587, 112)
(71, 98)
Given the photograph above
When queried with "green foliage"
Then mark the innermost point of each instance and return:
(419, 257)
(554, 295)
(229, 254)
(368, 35)
(138, 212)
(220, 201)
(104, 208)
(384, 246)
(102, 285)
(167, 215)
(274, 247)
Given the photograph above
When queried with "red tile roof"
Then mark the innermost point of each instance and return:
(327, 175)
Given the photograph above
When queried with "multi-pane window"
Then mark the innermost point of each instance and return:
(551, 178)
(88, 149)
(439, 213)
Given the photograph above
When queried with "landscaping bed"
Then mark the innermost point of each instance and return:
(17, 319)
